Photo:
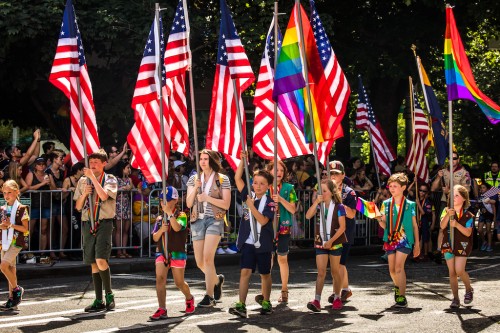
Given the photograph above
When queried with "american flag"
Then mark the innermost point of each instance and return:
(69, 66)
(336, 82)
(223, 133)
(365, 120)
(176, 64)
(415, 159)
(291, 140)
(144, 138)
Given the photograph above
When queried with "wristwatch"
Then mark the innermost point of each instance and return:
(170, 216)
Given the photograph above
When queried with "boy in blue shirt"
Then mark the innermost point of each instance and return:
(255, 237)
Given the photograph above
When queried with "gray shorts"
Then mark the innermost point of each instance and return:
(206, 226)
(98, 246)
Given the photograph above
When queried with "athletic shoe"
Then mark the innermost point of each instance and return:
(96, 306)
(229, 251)
(469, 296)
(206, 302)
(110, 301)
(455, 304)
(159, 314)
(9, 305)
(239, 309)
(396, 293)
(484, 246)
(489, 249)
(345, 294)
(331, 298)
(314, 306)
(17, 295)
(190, 305)
(267, 308)
(259, 299)
(337, 304)
(218, 287)
(220, 250)
(401, 302)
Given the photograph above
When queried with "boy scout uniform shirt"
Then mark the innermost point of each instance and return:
(108, 207)
(460, 177)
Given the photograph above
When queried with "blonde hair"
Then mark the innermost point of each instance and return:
(463, 193)
(332, 187)
(399, 178)
(13, 185)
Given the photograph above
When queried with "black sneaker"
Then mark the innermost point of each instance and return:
(110, 301)
(331, 298)
(218, 287)
(17, 295)
(9, 305)
(96, 306)
(238, 309)
(401, 302)
(259, 299)
(267, 308)
(396, 293)
(206, 302)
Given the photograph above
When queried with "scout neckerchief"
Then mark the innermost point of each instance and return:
(329, 215)
(8, 234)
(262, 205)
(395, 228)
(97, 206)
(206, 189)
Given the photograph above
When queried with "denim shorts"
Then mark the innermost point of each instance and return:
(35, 213)
(335, 253)
(206, 226)
(405, 250)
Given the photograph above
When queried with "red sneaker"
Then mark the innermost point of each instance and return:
(190, 305)
(159, 314)
(314, 306)
(337, 304)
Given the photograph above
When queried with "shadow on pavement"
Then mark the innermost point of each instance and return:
(473, 325)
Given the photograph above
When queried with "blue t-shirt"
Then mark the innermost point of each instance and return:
(350, 200)
(266, 233)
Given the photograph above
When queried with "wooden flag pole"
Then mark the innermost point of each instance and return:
(311, 119)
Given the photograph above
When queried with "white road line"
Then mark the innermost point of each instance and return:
(36, 289)
(483, 268)
(53, 300)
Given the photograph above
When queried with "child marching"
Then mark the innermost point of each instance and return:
(174, 257)
(456, 226)
(400, 234)
(14, 229)
(255, 240)
(328, 243)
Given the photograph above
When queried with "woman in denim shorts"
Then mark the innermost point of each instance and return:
(209, 196)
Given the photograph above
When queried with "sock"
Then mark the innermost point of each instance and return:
(106, 280)
(96, 277)
(336, 297)
(346, 289)
(317, 298)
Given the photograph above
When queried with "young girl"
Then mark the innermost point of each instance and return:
(175, 229)
(487, 216)
(457, 242)
(400, 234)
(328, 243)
(14, 221)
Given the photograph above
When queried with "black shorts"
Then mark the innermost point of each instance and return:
(250, 259)
(283, 245)
(346, 248)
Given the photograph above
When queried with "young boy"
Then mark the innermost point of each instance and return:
(261, 207)
(175, 229)
(97, 239)
(14, 221)
(400, 234)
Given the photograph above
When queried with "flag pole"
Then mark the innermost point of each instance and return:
(245, 158)
(450, 158)
(275, 179)
(191, 95)
(309, 105)
(413, 146)
(162, 120)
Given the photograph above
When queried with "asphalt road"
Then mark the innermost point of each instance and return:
(56, 304)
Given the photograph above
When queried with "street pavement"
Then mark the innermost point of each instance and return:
(55, 304)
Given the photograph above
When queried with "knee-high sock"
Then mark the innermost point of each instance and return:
(96, 277)
(106, 280)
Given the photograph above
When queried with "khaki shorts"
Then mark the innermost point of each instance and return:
(97, 246)
(10, 255)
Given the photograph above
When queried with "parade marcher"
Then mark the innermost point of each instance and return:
(261, 207)
(207, 220)
(328, 243)
(400, 234)
(14, 221)
(286, 200)
(349, 202)
(97, 240)
(457, 242)
(174, 257)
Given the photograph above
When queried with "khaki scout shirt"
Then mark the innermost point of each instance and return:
(108, 207)
(460, 177)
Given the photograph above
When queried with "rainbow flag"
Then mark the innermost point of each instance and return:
(289, 82)
(459, 78)
(367, 208)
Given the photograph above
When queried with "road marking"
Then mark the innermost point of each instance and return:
(483, 268)
(53, 300)
(149, 278)
(36, 289)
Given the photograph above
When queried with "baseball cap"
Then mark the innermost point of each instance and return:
(172, 193)
(177, 163)
(39, 160)
(336, 166)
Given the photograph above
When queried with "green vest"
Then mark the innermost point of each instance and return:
(285, 216)
(488, 178)
(407, 224)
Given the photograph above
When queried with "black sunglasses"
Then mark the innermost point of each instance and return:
(455, 158)
(423, 191)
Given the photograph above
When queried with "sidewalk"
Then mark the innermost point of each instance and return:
(135, 265)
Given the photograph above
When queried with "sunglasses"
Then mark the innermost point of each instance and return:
(324, 174)
(423, 191)
(455, 158)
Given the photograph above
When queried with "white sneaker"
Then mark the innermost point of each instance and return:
(220, 250)
(229, 251)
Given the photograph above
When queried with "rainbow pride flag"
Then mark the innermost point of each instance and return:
(289, 82)
(367, 208)
(459, 78)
